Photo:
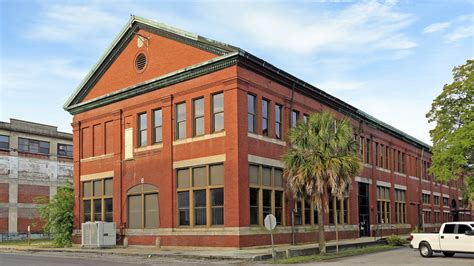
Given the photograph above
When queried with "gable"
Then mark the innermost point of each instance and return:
(163, 55)
(167, 49)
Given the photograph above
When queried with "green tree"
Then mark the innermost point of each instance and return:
(57, 215)
(453, 136)
(322, 159)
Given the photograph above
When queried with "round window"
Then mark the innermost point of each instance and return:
(140, 62)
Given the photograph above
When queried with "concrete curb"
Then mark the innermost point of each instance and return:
(281, 253)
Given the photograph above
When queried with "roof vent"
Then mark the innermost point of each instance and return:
(140, 62)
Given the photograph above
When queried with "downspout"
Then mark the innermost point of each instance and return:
(293, 210)
(421, 222)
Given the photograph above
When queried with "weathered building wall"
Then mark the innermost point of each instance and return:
(25, 176)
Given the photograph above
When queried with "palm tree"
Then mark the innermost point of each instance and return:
(322, 159)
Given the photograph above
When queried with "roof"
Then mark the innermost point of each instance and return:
(228, 55)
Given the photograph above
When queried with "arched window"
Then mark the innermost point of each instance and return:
(143, 207)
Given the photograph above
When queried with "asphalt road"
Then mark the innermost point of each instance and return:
(403, 256)
(56, 259)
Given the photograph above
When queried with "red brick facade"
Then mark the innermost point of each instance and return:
(100, 147)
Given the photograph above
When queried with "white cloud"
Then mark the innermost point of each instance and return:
(37, 75)
(361, 27)
(435, 27)
(454, 30)
(72, 23)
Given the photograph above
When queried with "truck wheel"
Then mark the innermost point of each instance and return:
(425, 250)
(448, 253)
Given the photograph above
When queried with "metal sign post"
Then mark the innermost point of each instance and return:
(270, 224)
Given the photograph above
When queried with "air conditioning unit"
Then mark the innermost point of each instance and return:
(98, 234)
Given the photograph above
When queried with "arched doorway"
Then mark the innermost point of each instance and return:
(143, 208)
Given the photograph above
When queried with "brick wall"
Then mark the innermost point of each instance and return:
(27, 193)
(4, 192)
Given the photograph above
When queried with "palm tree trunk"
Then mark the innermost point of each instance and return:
(322, 241)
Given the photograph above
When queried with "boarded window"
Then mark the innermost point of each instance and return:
(254, 174)
(128, 143)
(183, 178)
(151, 210)
(135, 211)
(217, 175)
(267, 176)
(199, 177)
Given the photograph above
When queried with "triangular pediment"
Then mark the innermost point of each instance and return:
(143, 50)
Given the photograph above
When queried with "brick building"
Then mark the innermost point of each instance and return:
(178, 140)
(34, 160)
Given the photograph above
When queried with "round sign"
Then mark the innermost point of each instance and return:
(270, 222)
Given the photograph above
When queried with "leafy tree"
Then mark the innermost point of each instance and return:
(323, 157)
(453, 136)
(57, 215)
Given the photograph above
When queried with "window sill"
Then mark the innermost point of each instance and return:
(199, 138)
(149, 147)
(367, 165)
(383, 169)
(400, 174)
(95, 158)
(267, 139)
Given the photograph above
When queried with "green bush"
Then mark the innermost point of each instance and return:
(395, 240)
(57, 215)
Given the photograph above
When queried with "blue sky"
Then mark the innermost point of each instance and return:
(388, 58)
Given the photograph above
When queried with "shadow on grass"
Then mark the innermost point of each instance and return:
(341, 254)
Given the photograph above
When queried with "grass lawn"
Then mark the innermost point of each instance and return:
(38, 243)
(329, 256)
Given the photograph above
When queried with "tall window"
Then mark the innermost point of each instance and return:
(142, 128)
(267, 182)
(427, 216)
(403, 163)
(143, 207)
(426, 198)
(436, 200)
(387, 149)
(400, 206)
(158, 126)
(305, 118)
(97, 200)
(277, 121)
(399, 163)
(445, 201)
(198, 117)
(377, 154)
(342, 207)
(367, 151)
(33, 146)
(180, 121)
(361, 147)
(65, 150)
(294, 118)
(251, 112)
(4, 142)
(265, 117)
(217, 112)
(194, 186)
(383, 205)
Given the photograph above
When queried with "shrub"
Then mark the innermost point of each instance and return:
(57, 215)
(395, 240)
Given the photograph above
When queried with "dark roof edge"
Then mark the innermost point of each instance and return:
(334, 102)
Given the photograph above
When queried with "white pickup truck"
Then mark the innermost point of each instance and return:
(454, 237)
